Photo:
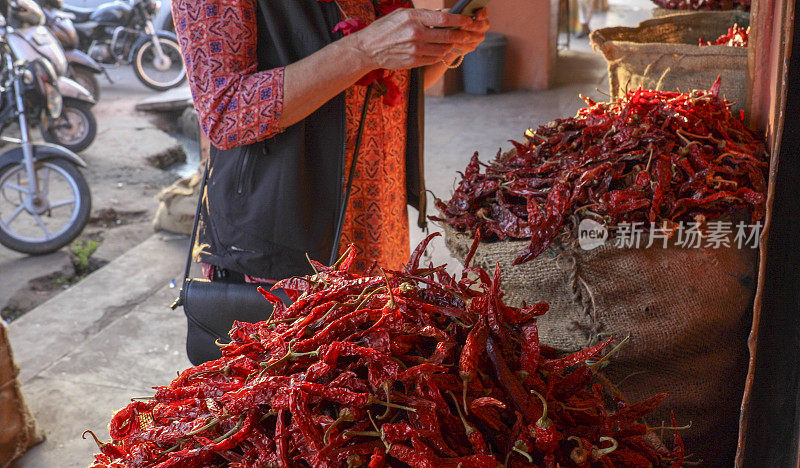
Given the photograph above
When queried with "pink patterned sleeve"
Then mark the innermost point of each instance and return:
(237, 105)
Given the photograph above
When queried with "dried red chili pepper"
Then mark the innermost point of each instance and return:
(354, 347)
(650, 156)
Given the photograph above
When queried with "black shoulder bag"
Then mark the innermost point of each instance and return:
(211, 307)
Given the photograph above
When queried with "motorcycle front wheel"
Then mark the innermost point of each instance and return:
(154, 73)
(86, 78)
(42, 224)
(75, 129)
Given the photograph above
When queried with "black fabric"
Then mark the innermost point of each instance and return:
(269, 204)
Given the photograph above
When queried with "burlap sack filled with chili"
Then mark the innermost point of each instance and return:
(664, 54)
(680, 161)
(18, 430)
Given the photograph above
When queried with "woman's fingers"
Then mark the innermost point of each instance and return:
(451, 36)
(410, 38)
(439, 19)
(480, 22)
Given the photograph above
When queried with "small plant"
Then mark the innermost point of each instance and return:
(82, 250)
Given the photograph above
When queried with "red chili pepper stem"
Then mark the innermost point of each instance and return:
(100, 445)
(212, 423)
(366, 298)
(345, 415)
(174, 448)
(468, 428)
(522, 448)
(233, 430)
(341, 259)
(380, 431)
(316, 272)
(349, 434)
(608, 355)
(579, 455)
(464, 387)
(392, 303)
(388, 400)
(543, 422)
(289, 355)
(374, 401)
(598, 453)
(670, 428)
(408, 287)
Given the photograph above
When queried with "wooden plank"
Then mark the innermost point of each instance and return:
(768, 430)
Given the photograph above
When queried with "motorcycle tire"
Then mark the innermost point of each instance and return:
(84, 200)
(86, 78)
(169, 45)
(82, 114)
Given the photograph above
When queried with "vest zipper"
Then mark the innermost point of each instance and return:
(243, 173)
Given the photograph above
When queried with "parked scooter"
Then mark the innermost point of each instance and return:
(122, 32)
(76, 127)
(82, 68)
(44, 199)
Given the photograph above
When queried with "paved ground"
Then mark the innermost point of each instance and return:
(122, 183)
(119, 337)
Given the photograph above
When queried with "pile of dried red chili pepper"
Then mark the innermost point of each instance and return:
(400, 368)
(651, 157)
(736, 36)
(703, 4)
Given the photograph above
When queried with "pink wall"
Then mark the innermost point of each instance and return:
(530, 27)
(531, 46)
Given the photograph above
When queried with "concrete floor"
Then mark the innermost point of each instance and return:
(86, 352)
(120, 179)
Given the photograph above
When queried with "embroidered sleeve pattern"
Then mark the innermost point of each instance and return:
(237, 105)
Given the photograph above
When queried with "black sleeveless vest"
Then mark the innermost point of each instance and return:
(270, 203)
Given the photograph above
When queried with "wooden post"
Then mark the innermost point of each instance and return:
(768, 434)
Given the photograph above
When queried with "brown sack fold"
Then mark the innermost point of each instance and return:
(18, 430)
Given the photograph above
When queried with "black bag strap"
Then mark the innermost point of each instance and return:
(346, 199)
(342, 210)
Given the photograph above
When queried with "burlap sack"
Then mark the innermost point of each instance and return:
(18, 430)
(664, 54)
(658, 12)
(178, 204)
(687, 312)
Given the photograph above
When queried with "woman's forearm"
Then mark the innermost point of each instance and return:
(316, 79)
(404, 39)
(435, 72)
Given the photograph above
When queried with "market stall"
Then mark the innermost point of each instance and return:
(626, 295)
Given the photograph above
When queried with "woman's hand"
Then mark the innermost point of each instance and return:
(478, 27)
(409, 38)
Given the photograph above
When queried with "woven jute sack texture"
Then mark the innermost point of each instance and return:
(658, 12)
(687, 312)
(663, 54)
(18, 430)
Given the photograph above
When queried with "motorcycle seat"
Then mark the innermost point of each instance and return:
(81, 14)
(86, 29)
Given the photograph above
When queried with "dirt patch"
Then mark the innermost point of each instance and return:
(109, 217)
(168, 157)
(40, 289)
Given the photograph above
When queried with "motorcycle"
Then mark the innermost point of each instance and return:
(44, 199)
(82, 68)
(76, 127)
(122, 32)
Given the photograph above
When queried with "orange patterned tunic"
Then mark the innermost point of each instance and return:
(377, 218)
